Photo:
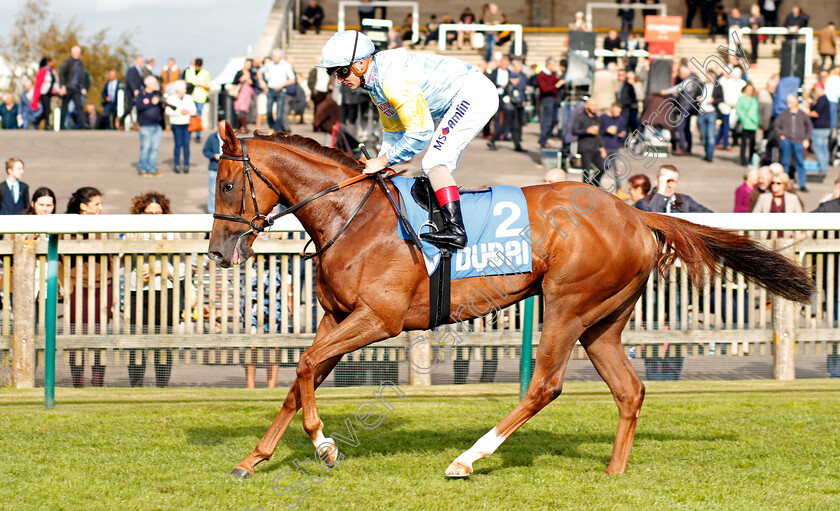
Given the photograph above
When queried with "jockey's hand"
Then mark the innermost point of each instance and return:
(374, 165)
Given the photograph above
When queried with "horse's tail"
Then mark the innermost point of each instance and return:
(702, 248)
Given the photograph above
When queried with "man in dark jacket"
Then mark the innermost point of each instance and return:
(312, 16)
(213, 152)
(793, 126)
(666, 199)
(628, 101)
(149, 117)
(133, 85)
(512, 106)
(587, 127)
(688, 90)
(71, 77)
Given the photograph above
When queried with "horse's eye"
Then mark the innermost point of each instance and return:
(227, 187)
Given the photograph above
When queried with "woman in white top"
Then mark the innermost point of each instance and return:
(180, 107)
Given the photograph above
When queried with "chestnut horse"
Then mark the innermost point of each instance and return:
(591, 265)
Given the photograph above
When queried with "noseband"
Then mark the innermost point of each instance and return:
(268, 221)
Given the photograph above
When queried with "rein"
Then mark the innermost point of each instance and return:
(268, 221)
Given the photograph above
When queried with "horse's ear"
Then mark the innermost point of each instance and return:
(231, 143)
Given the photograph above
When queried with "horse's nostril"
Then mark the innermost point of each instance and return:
(216, 256)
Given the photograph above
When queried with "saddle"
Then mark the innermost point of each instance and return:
(441, 280)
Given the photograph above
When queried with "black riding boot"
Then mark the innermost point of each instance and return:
(453, 233)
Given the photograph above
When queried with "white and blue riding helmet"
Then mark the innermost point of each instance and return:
(345, 48)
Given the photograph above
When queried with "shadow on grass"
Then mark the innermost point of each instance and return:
(390, 439)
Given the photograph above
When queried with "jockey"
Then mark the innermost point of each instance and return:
(422, 100)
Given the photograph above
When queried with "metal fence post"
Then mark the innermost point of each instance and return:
(52, 299)
(23, 337)
(784, 325)
(527, 340)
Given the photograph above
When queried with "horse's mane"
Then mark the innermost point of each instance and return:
(310, 146)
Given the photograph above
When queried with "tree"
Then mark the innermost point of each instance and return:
(37, 34)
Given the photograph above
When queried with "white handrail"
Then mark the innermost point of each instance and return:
(621, 7)
(808, 32)
(415, 13)
(79, 224)
(479, 27)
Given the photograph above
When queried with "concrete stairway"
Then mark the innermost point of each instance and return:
(306, 50)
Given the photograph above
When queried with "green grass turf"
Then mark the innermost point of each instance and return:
(699, 445)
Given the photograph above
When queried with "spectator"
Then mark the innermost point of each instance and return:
(133, 86)
(770, 11)
(650, 12)
(87, 201)
(43, 202)
(604, 87)
(327, 114)
(831, 202)
(691, 12)
(720, 22)
(627, 16)
(213, 152)
(742, 193)
(312, 16)
(707, 117)
(169, 73)
(832, 94)
(319, 84)
(765, 176)
(736, 19)
(732, 85)
(93, 119)
(149, 117)
(629, 103)
(180, 108)
(71, 77)
(500, 78)
(366, 11)
(30, 109)
(408, 31)
(821, 119)
(199, 78)
(492, 17)
(278, 75)
(587, 128)
(395, 40)
(748, 115)
(150, 68)
(46, 84)
(796, 20)
(554, 176)
(512, 106)
(755, 22)
(249, 86)
(639, 187)
(667, 200)
(631, 44)
(613, 133)
(781, 199)
(794, 127)
(466, 36)
(828, 45)
(612, 43)
(452, 36)
(432, 32)
(9, 113)
(580, 23)
(688, 93)
(291, 95)
(109, 98)
(153, 278)
(548, 83)
(14, 193)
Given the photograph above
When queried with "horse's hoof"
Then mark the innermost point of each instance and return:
(328, 453)
(458, 469)
(240, 473)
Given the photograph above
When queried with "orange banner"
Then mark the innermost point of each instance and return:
(663, 29)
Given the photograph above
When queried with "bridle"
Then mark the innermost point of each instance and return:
(267, 221)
